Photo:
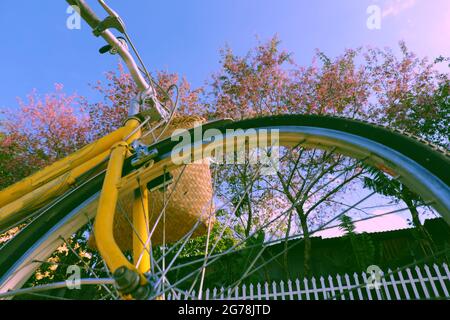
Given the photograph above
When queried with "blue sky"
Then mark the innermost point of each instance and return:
(185, 36)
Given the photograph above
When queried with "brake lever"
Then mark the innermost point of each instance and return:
(112, 21)
(108, 9)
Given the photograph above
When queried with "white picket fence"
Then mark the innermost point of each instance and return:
(411, 283)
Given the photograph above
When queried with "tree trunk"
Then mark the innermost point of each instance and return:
(286, 243)
(250, 215)
(307, 240)
(425, 240)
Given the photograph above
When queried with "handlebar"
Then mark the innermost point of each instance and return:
(93, 21)
(86, 13)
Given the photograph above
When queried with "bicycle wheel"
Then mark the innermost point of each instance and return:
(327, 168)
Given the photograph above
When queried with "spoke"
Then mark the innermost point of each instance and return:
(161, 215)
(346, 205)
(164, 233)
(200, 291)
(247, 271)
(40, 212)
(85, 264)
(207, 256)
(252, 181)
(286, 215)
(337, 177)
(104, 267)
(147, 224)
(43, 295)
(163, 209)
(63, 265)
(56, 285)
(297, 236)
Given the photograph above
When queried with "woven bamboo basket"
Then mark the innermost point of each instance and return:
(191, 200)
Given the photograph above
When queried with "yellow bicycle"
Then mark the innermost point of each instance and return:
(157, 188)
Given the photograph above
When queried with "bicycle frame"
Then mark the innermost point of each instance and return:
(20, 198)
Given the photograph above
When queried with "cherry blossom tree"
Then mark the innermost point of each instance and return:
(379, 85)
(43, 130)
(400, 91)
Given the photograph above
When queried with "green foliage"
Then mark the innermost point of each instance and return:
(362, 245)
(347, 224)
(381, 183)
(221, 237)
(73, 252)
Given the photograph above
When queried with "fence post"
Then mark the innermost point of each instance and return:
(251, 291)
(358, 286)
(378, 293)
(305, 281)
(299, 292)
(369, 294)
(446, 270)
(441, 280)
(266, 288)
(394, 284)
(422, 283)
(258, 287)
(341, 289)
(385, 286)
(431, 279)
(349, 286)
(403, 283)
(332, 292)
(229, 293)
(325, 289)
(282, 290)
(274, 292)
(291, 294)
(314, 289)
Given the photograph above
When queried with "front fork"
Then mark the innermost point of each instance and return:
(141, 239)
(130, 279)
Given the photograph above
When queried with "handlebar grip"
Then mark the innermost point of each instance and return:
(86, 12)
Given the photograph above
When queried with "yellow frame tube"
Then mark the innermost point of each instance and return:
(72, 161)
(104, 221)
(49, 190)
(141, 253)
